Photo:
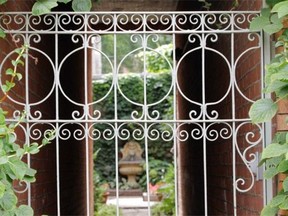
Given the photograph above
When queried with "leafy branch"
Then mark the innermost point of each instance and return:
(275, 155)
(12, 167)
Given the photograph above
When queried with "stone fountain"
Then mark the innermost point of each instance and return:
(131, 163)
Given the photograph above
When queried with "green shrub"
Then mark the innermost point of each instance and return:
(107, 210)
(167, 204)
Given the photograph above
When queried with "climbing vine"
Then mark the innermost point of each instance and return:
(275, 156)
(12, 167)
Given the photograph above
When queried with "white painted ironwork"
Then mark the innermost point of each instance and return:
(84, 29)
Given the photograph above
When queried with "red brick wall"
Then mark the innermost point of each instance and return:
(219, 152)
(71, 152)
(220, 166)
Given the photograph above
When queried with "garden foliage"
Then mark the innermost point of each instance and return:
(132, 86)
(275, 156)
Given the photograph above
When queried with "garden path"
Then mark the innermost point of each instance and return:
(131, 206)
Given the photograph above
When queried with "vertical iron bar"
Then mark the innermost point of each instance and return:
(175, 144)
(86, 114)
(27, 104)
(57, 83)
(204, 111)
(234, 137)
(115, 85)
(145, 110)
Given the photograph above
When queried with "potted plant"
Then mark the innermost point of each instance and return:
(154, 194)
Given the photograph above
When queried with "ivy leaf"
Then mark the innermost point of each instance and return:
(8, 201)
(20, 152)
(270, 172)
(2, 33)
(18, 167)
(2, 189)
(30, 172)
(281, 8)
(280, 75)
(9, 71)
(285, 184)
(283, 166)
(274, 150)
(81, 5)
(3, 2)
(273, 28)
(263, 110)
(269, 211)
(275, 86)
(19, 76)
(3, 157)
(43, 6)
(277, 200)
(259, 23)
(33, 148)
(2, 121)
(24, 210)
(284, 204)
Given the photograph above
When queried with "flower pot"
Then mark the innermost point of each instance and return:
(152, 197)
(282, 213)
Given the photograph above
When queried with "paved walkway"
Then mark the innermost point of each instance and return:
(131, 206)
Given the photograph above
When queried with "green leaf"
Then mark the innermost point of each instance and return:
(280, 75)
(282, 93)
(81, 5)
(284, 204)
(20, 152)
(43, 6)
(270, 172)
(3, 159)
(275, 85)
(269, 211)
(2, 33)
(273, 28)
(2, 189)
(19, 76)
(271, 3)
(18, 167)
(7, 170)
(30, 172)
(263, 110)
(33, 148)
(277, 200)
(281, 8)
(275, 19)
(265, 12)
(9, 71)
(24, 210)
(64, 1)
(285, 184)
(2, 120)
(280, 137)
(258, 23)
(8, 201)
(274, 150)
(3, 1)
(283, 166)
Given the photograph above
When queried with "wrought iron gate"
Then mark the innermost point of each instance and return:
(214, 74)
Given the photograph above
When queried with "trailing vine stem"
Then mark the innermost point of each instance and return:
(13, 72)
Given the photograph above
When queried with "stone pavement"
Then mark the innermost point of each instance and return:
(131, 206)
